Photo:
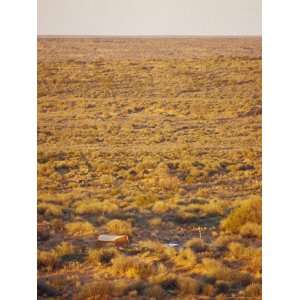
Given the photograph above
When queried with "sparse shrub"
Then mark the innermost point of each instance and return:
(255, 263)
(188, 285)
(157, 249)
(213, 208)
(253, 290)
(95, 207)
(217, 269)
(101, 220)
(155, 221)
(249, 211)
(152, 246)
(47, 260)
(93, 256)
(50, 209)
(160, 207)
(158, 138)
(122, 286)
(155, 291)
(221, 297)
(106, 179)
(149, 162)
(250, 255)
(80, 228)
(135, 287)
(145, 199)
(50, 259)
(119, 227)
(100, 290)
(103, 256)
(162, 169)
(193, 208)
(58, 225)
(238, 250)
(63, 249)
(251, 230)
(196, 244)
(183, 217)
(169, 183)
(208, 290)
(131, 267)
(223, 240)
(186, 258)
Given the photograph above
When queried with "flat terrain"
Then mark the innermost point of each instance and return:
(158, 139)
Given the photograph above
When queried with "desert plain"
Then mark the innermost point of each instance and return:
(158, 139)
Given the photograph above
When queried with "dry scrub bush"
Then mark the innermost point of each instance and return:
(157, 249)
(50, 210)
(213, 208)
(58, 225)
(47, 260)
(169, 183)
(251, 229)
(217, 269)
(100, 290)
(184, 217)
(223, 240)
(221, 297)
(251, 256)
(196, 244)
(152, 246)
(193, 208)
(155, 222)
(145, 199)
(63, 249)
(253, 290)
(186, 258)
(208, 290)
(183, 285)
(131, 267)
(160, 207)
(80, 228)
(155, 291)
(102, 256)
(106, 180)
(95, 207)
(249, 211)
(241, 252)
(188, 285)
(122, 286)
(162, 169)
(255, 265)
(119, 227)
(149, 162)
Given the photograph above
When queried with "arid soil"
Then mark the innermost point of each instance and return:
(158, 139)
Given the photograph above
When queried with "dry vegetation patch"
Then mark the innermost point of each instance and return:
(160, 140)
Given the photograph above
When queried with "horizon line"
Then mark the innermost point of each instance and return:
(148, 36)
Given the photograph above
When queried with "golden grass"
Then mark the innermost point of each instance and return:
(153, 138)
(80, 228)
(248, 211)
(132, 267)
(119, 227)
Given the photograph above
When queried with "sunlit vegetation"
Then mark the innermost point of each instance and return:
(159, 140)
